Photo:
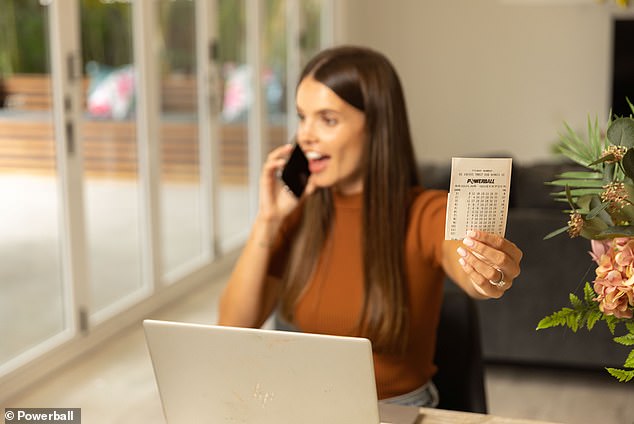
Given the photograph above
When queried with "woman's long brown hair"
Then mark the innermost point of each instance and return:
(367, 81)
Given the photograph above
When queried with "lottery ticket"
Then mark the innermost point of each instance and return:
(478, 196)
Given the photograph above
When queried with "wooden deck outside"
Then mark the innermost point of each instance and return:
(109, 146)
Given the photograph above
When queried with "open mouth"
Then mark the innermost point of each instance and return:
(317, 162)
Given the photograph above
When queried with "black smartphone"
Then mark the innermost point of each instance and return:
(295, 173)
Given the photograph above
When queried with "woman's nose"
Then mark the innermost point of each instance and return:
(305, 133)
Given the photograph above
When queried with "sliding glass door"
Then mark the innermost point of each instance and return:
(185, 238)
(109, 135)
(131, 139)
(237, 99)
(33, 291)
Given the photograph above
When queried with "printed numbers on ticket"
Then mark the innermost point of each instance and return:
(478, 196)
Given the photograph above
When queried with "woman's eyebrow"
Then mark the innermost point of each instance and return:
(327, 110)
(322, 111)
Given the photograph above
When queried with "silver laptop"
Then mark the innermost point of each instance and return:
(214, 374)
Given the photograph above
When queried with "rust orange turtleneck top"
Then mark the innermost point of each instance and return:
(333, 299)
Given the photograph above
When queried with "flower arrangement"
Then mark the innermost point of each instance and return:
(601, 201)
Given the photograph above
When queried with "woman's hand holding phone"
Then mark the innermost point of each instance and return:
(296, 172)
(276, 199)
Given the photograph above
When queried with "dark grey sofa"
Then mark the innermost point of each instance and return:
(551, 269)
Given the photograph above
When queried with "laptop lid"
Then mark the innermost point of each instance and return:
(215, 374)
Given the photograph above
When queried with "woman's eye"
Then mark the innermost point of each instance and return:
(330, 121)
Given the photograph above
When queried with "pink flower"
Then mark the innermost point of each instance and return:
(617, 302)
(625, 256)
(599, 248)
(614, 282)
(620, 242)
(605, 266)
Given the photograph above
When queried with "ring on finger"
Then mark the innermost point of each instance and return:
(500, 282)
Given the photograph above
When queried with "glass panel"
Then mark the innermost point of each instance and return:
(274, 72)
(310, 41)
(233, 207)
(32, 292)
(180, 176)
(110, 152)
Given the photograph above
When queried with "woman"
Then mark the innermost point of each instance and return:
(362, 253)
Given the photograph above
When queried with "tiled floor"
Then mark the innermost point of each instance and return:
(34, 282)
(572, 397)
(115, 384)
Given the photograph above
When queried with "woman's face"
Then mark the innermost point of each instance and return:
(332, 134)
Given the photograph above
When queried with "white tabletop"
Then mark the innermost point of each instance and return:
(439, 416)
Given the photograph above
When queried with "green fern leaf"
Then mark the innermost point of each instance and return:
(626, 340)
(621, 375)
(574, 321)
(559, 318)
(588, 293)
(575, 301)
(592, 318)
(629, 362)
(611, 322)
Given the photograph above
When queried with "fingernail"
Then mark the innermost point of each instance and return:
(461, 252)
(462, 262)
(469, 242)
(471, 233)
